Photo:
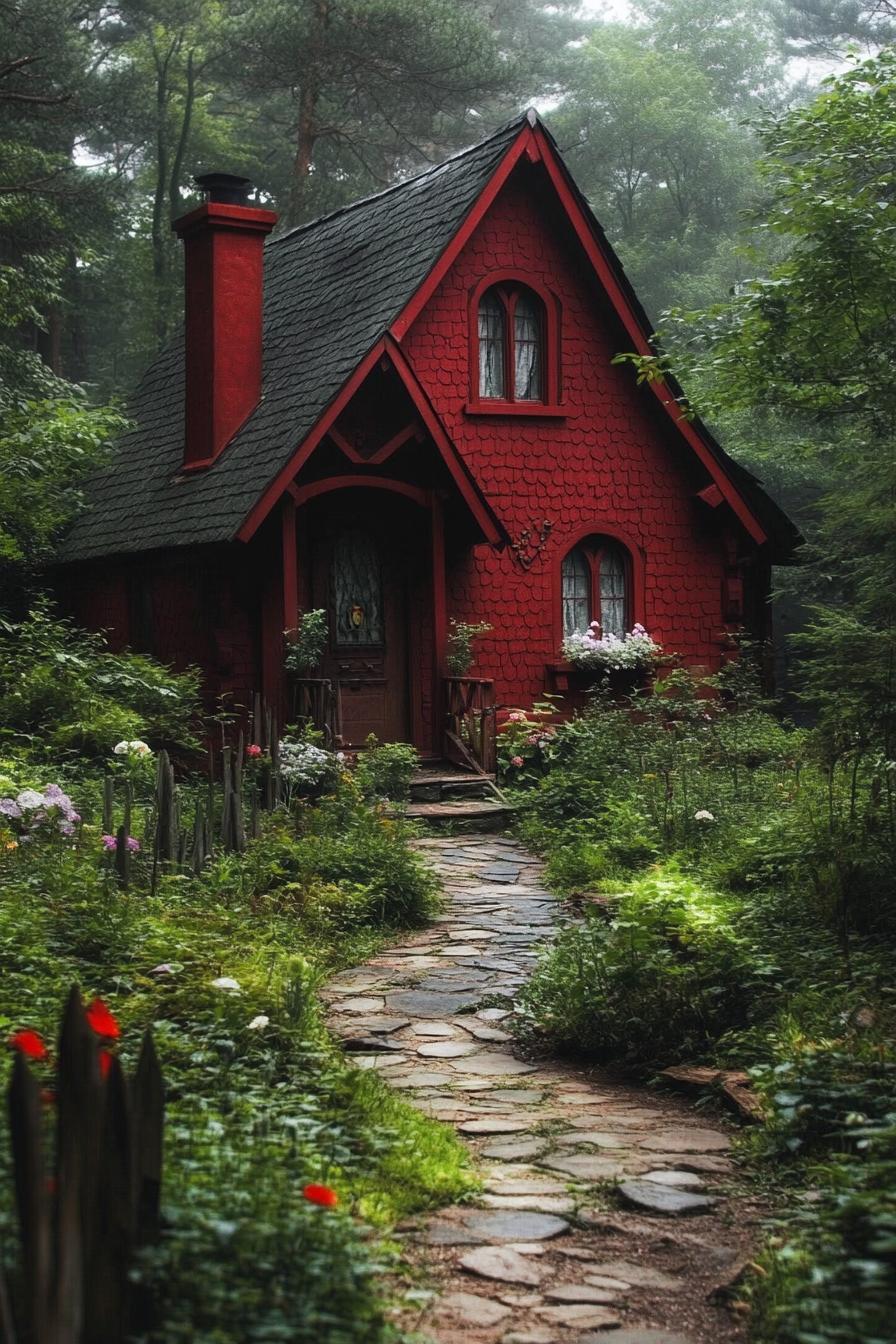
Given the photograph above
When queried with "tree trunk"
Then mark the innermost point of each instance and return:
(306, 127)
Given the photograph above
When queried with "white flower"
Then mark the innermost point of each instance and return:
(30, 798)
(227, 982)
(703, 815)
(588, 648)
(139, 748)
(121, 748)
(163, 968)
(259, 1022)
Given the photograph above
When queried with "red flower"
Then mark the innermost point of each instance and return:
(102, 1020)
(253, 750)
(321, 1194)
(106, 1058)
(29, 1043)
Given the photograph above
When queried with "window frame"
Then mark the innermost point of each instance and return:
(508, 286)
(592, 540)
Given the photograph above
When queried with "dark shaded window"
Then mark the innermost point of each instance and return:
(596, 586)
(511, 332)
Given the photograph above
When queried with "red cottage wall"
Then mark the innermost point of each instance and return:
(608, 464)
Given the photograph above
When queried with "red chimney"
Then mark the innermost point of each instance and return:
(223, 246)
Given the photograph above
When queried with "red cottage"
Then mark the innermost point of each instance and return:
(407, 412)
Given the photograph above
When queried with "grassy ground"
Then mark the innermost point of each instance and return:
(260, 1103)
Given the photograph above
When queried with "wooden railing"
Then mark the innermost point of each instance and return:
(88, 1199)
(315, 700)
(470, 723)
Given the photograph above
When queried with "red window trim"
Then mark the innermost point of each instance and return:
(596, 533)
(549, 404)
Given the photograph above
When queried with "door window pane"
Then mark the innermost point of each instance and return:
(491, 346)
(576, 593)
(357, 590)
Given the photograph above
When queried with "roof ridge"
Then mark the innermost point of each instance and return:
(431, 171)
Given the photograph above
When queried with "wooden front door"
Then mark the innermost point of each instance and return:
(360, 579)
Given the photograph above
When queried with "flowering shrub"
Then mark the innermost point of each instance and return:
(459, 651)
(306, 644)
(30, 812)
(526, 742)
(634, 652)
(305, 768)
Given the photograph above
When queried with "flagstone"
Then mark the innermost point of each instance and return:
(503, 1264)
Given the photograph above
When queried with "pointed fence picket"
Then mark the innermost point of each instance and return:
(86, 1200)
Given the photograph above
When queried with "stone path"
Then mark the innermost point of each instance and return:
(605, 1215)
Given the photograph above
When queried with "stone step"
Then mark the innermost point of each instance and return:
(432, 786)
(464, 814)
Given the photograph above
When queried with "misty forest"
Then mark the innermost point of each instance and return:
(237, 1127)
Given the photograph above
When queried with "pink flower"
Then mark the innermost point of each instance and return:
(109, 842)
(516, 716)
(517, 760)
(253, 750)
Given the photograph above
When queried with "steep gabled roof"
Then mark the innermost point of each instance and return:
(334, 288)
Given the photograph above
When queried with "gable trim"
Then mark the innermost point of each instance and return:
(384, 348)
(535, 145)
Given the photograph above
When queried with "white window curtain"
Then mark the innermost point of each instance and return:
(613, 616)
(527, 337)
(576, 593)
(491, 346)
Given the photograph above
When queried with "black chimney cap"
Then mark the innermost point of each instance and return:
(225, 188)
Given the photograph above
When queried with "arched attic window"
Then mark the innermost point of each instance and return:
(512, 341)
(596, 579)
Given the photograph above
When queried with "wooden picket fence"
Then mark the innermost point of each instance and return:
(88, 1199)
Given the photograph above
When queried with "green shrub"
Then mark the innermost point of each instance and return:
(660, 982)
(64, 695)
(386, 770)
(829, 1277)
(306, 644)
(459, 651)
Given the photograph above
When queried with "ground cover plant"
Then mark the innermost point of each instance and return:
(264, 1118)
(738, 894)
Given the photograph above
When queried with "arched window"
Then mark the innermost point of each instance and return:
(511, 330)
(596, 586)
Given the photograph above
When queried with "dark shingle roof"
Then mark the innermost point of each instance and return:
(332, 288)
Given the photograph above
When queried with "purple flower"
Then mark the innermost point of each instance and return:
(9, 808)
(133, 844)
(109, 842)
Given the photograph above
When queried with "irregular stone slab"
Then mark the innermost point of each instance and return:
(473, 1309)
(584, 1166)
(433, 1029)
(377, 1026)
(687, 1141)
(581, 1315)
(522, 1186)
(378, 1061)
(447, 1049)
(512, 1152)
(688, 1179)
(440, 1232)
(420, 1078)
(503, 1264)
(371, 1045)
(422, 1003)
(530, 1337)
(514, 1226)
(641, 1276)
(521, 1096)
(488, 1063)
(580, 1292)
(638, 1336)
(358, 1005)
(663, 1199)
(493, 1126)
(489, 1034)
(596, 1137)
(537, 1203)
(692, 1162)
